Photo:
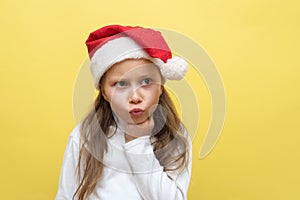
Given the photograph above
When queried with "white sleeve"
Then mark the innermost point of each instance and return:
(152, 182)
(68, 178)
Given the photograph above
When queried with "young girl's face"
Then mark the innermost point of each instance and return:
(132, 88)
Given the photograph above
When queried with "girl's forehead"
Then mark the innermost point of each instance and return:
(133, 68)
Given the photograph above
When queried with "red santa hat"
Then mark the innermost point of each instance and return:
(114, 43)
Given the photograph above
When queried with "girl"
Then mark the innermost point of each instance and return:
(132, 145)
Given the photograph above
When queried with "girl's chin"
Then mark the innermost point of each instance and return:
(137, 121)
(133, 120)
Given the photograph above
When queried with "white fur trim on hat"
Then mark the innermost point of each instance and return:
(113, 52)
(123, 48)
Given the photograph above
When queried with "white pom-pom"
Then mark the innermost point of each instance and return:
(174, 69)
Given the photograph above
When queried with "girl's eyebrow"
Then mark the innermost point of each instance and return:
(116, 77)
(138, 75)
(146, 76)
(148, 73)
(149, 76)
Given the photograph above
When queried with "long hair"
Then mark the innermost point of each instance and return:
(95, 129)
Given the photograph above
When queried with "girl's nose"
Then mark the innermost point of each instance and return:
(135, 97)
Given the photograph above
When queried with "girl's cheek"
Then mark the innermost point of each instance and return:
(122, 92)
(118, 94)
(119, 97)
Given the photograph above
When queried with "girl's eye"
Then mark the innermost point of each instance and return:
(146, 81)
(121, 83)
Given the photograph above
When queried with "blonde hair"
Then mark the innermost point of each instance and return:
(94, 132)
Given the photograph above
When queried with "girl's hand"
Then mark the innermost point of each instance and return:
(134, 131)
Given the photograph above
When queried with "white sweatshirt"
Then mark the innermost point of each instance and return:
(131, 172)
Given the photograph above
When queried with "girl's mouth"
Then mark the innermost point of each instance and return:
(136, 112)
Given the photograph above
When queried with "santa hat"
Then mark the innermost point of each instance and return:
(114, 43)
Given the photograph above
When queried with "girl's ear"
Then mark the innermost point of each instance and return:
(103, 92)
(161, 90)
(104, 96)
(101, 88)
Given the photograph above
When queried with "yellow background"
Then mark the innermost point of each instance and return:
(254, 44)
